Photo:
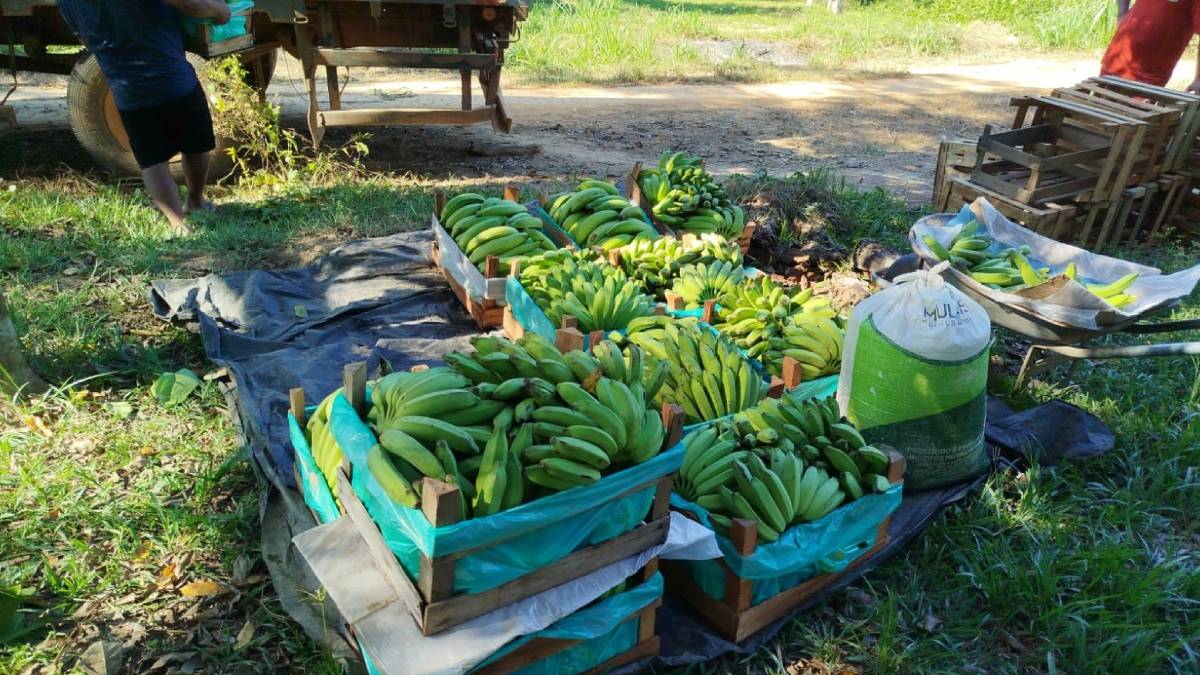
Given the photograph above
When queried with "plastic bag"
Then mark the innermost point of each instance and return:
(511, 543)
(1062, 301)
(605, 628)
(914, 376)
(312, 484)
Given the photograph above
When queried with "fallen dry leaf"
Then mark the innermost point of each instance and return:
(37, 425)
(201, 589)
(166, 574)
(102, 658)
(244, 636)
(931, 623)
(241, 569)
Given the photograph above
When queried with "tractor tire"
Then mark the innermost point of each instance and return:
(97, 124)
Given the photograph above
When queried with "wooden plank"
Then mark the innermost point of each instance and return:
(385, 561)
(643, 650)
(398, 58)
(365, 117)
(793, 375)
(354, 386)
(447, 613)
(296, 404)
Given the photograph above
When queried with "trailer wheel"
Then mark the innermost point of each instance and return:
(97, 124)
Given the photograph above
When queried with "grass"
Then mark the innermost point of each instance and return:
(108, 511)
(613, 41)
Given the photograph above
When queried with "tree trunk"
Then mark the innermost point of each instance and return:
(15, 373)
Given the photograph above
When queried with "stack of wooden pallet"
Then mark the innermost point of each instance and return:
(1103, 162)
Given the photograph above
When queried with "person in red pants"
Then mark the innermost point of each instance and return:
(1150, 39)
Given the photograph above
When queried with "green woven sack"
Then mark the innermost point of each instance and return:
(914, 376)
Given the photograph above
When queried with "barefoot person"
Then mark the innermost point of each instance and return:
(1150, 39)
(140, 51)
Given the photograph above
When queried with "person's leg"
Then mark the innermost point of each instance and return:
(165, 194)
(195, 175)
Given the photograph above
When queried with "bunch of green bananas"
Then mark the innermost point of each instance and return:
(686, 197)
(599, 295)
(325, 450)
(702, 372)
(654, 263)
(771, 323)
(596, 215)
(699, 283)
(780, 463)
(487, 226)
(512, 421)
(1010, 269)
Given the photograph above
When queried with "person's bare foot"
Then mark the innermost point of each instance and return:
(190, 208)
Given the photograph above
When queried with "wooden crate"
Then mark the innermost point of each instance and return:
(539, 649)
(633, 190)
(1052, 219)
(1182, 142)
(1163, 122)
(732, 615)
(1139, 216)
(486, 309)
(955, 160)
(431, 599)
(1059, 149)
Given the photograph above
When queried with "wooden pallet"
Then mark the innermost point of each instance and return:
(1052, 219)
(539, 649)
(732, 615)
(431, 599)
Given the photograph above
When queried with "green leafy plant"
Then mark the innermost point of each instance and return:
(264, 152)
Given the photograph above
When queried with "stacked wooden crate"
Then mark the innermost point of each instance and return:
(1103, 162)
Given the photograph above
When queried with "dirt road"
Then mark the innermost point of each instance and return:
(878, 131)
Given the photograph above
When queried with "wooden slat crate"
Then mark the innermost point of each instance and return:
(1052, 219)
(485, 309)
(1176, 155)
(431, 599)
(1163, 122)
(955, 160)
(732, 615)
(1059, 149)
(539, 649)
(1139, 216)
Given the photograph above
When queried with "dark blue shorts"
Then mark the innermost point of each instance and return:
(158, 133)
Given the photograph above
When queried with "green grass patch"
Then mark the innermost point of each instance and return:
(614, 41)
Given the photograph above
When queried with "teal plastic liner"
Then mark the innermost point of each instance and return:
(517, 541)
(530, 315)
(312, 482)
(602, 627)
(803, 551)
(236, 27)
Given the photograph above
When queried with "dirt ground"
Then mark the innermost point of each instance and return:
(876, 131)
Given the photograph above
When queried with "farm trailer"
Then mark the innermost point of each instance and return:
(469, 36)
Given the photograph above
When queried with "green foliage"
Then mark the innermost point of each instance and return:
(264, 153)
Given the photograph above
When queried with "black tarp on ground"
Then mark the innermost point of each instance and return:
(379, 299)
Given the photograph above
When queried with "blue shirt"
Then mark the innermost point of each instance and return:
(139, 46)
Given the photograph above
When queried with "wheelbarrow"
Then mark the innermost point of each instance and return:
(1054, 341)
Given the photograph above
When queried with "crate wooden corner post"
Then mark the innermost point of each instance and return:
(733, 615)
(747, 236)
